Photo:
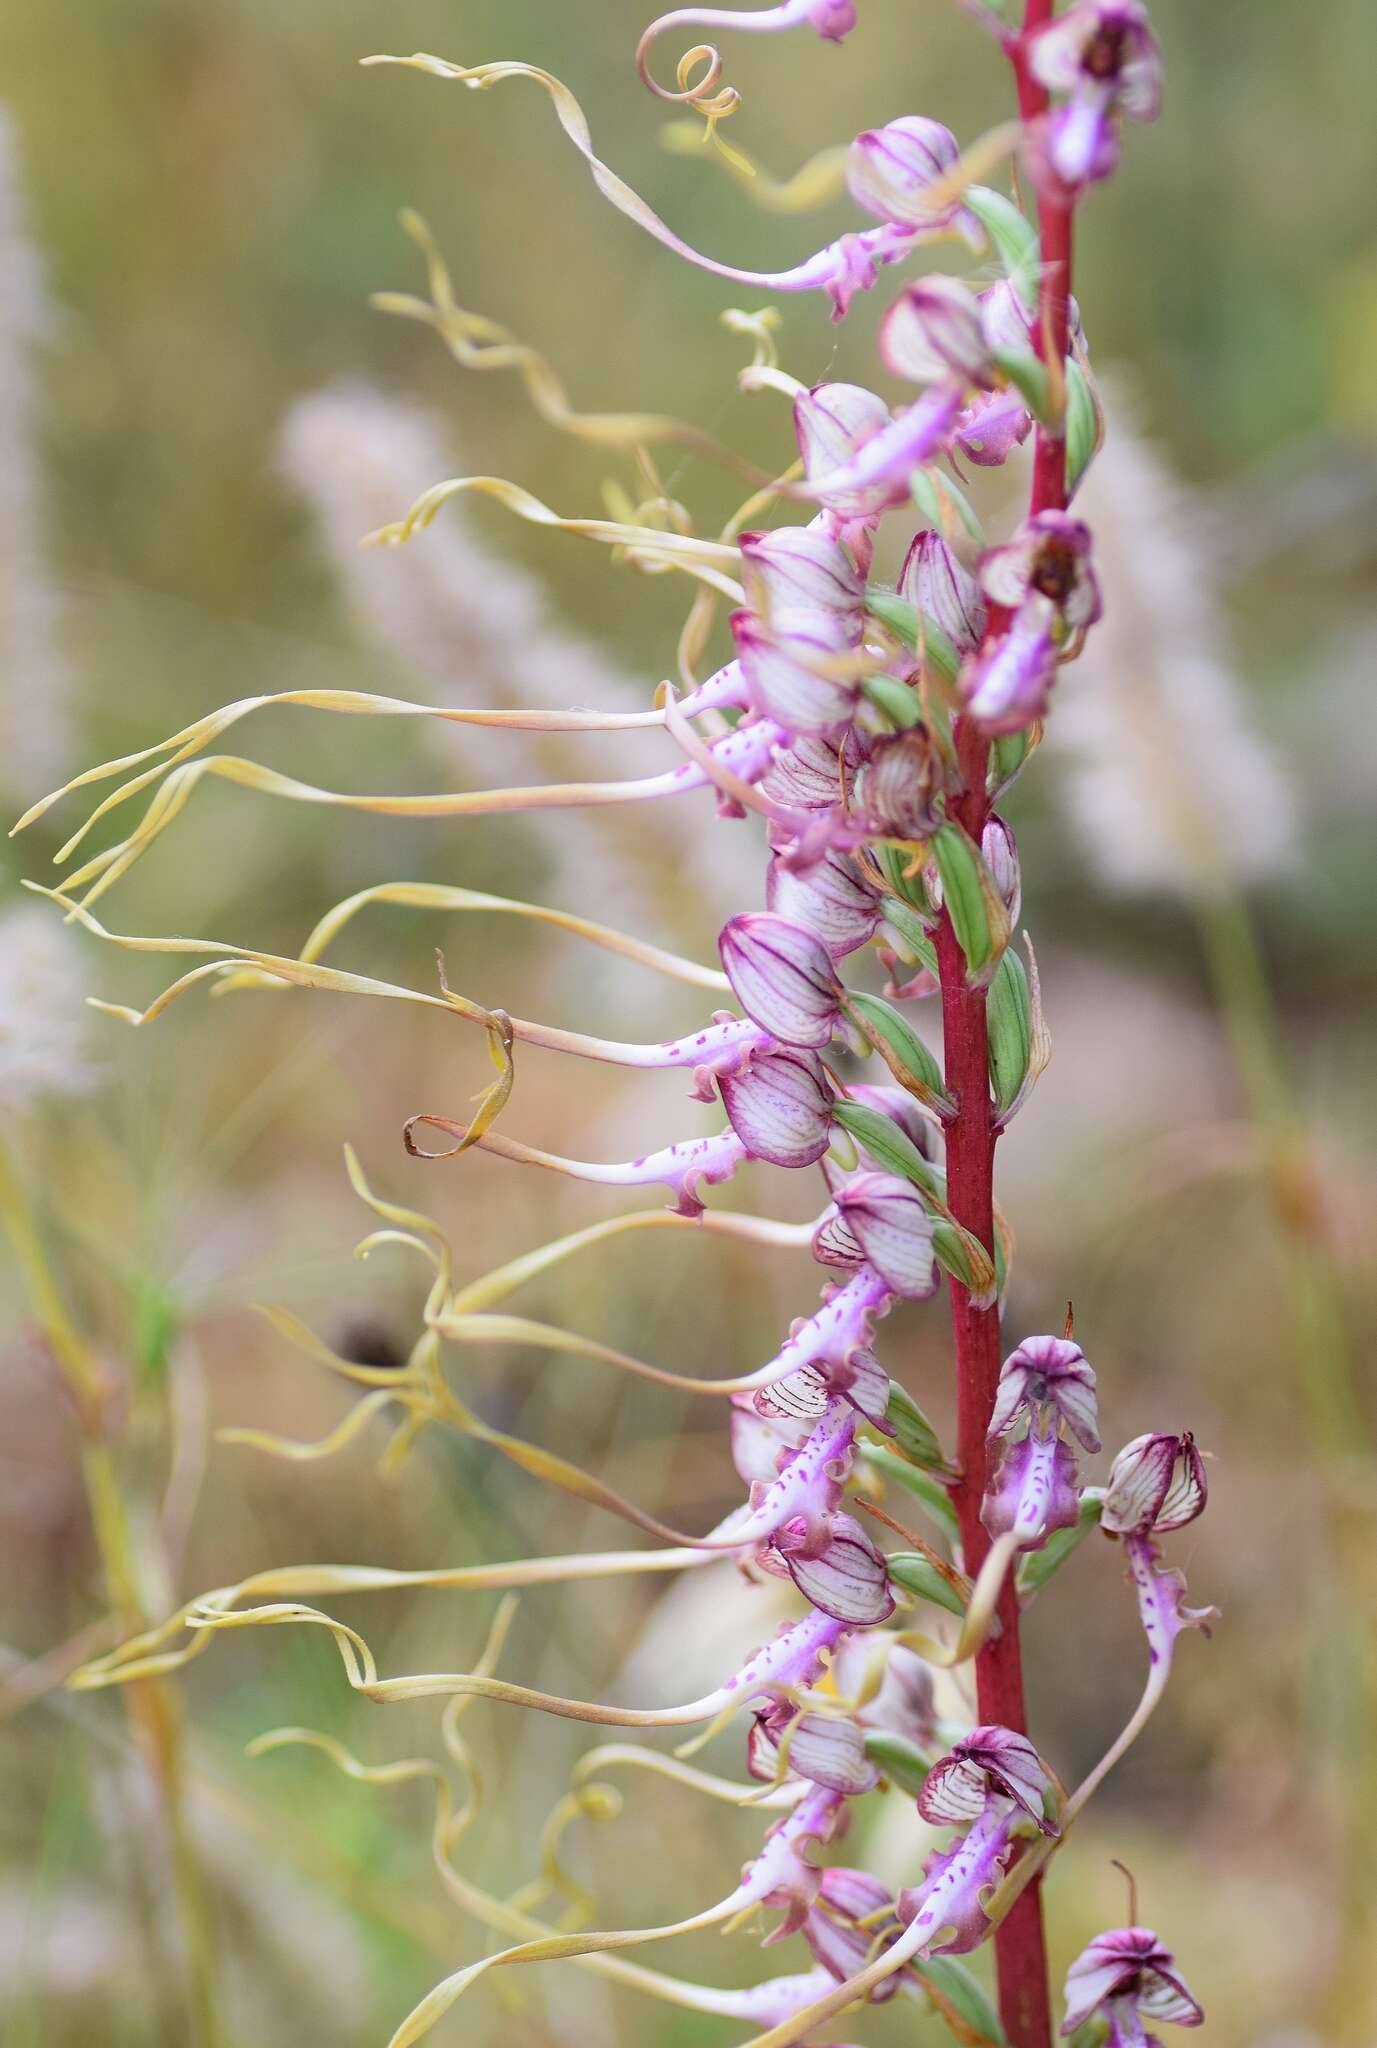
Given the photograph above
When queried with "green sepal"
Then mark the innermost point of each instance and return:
(929, 1492)
(1038, 1566)
(1082, 426)
(954, 1982)
(909, 929)
(970, 900)
(899, 1759)
(935, 494)
(913, 1433)
(1014, 236)
(1009, 1020)
(1008, 752)
(911, 626)
(902, 1050)
(894, 698)
(895, 863)
(956, 1251)
(1028, 375)
(919, 1575)
(891, 1149)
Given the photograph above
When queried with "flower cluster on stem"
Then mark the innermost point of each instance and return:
(870, 730)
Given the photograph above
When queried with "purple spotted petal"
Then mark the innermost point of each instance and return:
(1033, 1491)
(1007, 686)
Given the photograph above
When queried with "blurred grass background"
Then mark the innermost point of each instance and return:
(213, 192)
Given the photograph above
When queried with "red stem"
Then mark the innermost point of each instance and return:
(1019, 1944)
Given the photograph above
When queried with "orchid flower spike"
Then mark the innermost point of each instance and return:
(1125, 1977)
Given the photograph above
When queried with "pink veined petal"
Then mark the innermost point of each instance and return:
(780, 1106)
(848, 1581)
(954, 1791)
(831, 899)
(782, 664)
(792, 568)
(783, 977)
(888, 1220)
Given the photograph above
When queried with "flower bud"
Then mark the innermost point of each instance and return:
(1156, 1484)
(794, 568)
(832, 19)
(903, 784)
(932, 330)
(783, 977)
(780, 1106)
(890, 170)
(938, 583)
(999, 849)
(781, 662)
(889, 1222)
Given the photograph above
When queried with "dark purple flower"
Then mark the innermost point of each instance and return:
(1125, 1975)
(1156, 1484)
